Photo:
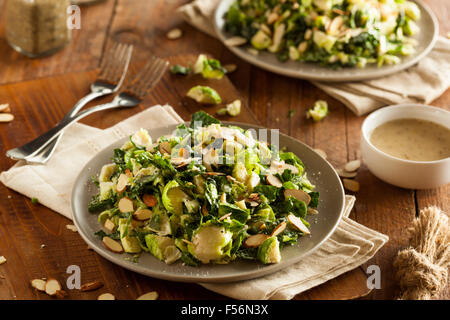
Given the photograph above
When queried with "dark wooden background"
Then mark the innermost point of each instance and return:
(40, 91)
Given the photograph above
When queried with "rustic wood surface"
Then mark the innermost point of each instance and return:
(40, 91)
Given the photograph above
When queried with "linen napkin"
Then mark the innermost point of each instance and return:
(421, 83)
(351, 244)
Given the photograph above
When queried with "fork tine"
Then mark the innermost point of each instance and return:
(152, 77)
(114, 62)
(143, 81)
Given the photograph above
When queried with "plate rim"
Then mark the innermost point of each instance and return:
(258, 272)
(299, 74)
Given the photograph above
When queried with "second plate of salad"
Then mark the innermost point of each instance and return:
(328, 40)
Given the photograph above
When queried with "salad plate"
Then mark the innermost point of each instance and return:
(424, 40)
(321, 226)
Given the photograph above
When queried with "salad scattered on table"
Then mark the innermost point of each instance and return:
(334, 33)
(209, 193)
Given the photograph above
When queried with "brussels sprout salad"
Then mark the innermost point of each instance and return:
(334, 33)
(208, 193)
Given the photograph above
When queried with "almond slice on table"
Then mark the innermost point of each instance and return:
(150, 200)
(256, 240)
(38, 284)
(72, 227)
(142, 214)
(106, 296)
(352, 166)
(279, 229)
(2, 259)
(351, 185)
(126, 205)
(112, 245)
(6, 117)
(235, 41)
(122, 183)
(52, 286)
(298, 223)
(298, 194)
(5, 108)
(149, 296)
(90, 286)
(174, 34)
(274, 181)
(344, 174)
(109, 225)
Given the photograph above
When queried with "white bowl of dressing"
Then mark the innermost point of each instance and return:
(408, 145)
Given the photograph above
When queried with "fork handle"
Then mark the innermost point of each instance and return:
(84, 101)
(45, 139)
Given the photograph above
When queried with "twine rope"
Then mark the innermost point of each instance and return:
(422, 269)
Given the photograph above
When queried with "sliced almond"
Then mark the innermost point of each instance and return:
(165, 148)
(223, 198)
(90, 286)
(298, 223)
(344, 174)
(126, 205)
(142, 214)
(279, 229)
(137, 223)
(5, 108)
(112, 245)
(298, 194)
(106, 296)
(274, 181)
(72, 227)
(351, 185)
(272, 17)
(312, 211)
(352, 166)
(52, 286)
(174, 34)
(38, 284)
(230, 67)
(149, 296)
(6, 117)
(2, 259)
(235, 41)
(214, 173)
(335, 25)
(225, 216)
(109, 225)
(122, 183)
(255, 241)
(150, 200)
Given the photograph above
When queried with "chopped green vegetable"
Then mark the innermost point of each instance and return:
(209, 68)
(269, 251)
(179, 69)
(232, 109)
(291, 113)
(34, 200)
(318, 111)
(204, 94)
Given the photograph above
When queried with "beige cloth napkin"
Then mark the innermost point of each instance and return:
(351, 245)
(421, 83)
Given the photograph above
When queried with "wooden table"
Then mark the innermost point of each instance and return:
(24, 226)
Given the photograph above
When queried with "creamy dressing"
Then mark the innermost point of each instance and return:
(413, 139)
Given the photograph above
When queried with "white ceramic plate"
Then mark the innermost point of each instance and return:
(426, 38)
(320, 172)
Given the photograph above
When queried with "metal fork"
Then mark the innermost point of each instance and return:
(113, 69)
(131, 96)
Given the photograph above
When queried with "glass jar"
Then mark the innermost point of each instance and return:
(37, 27)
